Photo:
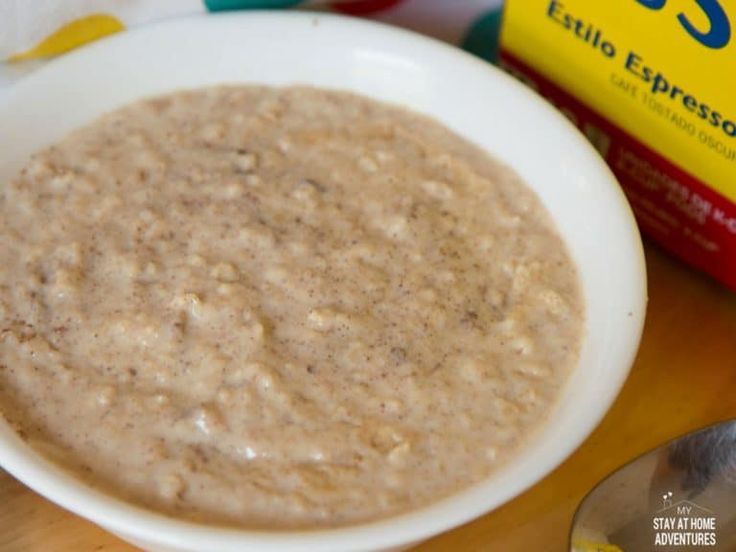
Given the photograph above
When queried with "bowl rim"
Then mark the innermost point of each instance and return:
(144, 525)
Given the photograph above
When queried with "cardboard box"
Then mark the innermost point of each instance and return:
(652, 83)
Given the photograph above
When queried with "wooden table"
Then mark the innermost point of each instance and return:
(683, 378)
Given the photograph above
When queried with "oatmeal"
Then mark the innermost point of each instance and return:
(279, 307)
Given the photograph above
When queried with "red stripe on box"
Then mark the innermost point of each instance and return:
(673, 207)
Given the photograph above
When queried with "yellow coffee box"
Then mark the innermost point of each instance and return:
(652, 83)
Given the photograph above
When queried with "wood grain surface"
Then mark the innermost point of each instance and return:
(684, 377)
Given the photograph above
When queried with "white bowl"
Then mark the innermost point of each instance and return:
(468, 95)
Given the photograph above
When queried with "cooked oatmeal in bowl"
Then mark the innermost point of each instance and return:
(309, 316)
(279, 307)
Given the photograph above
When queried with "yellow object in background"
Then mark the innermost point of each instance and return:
(652, 84)
(71, 35)
(589, 546)
(662, 70)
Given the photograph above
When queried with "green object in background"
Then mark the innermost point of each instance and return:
(221, 5)
(482, 37)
